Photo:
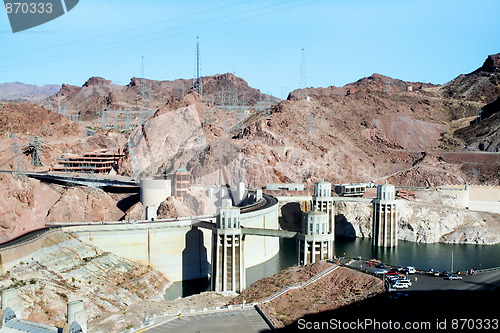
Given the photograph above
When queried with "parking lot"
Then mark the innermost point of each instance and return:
(243, 321)
(421, 281)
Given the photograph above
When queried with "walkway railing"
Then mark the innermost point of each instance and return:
(149, 320)
(487, 269)
(301, 284)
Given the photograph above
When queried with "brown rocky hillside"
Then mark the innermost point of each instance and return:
(482, 85)
(144, 94)
(365, 131)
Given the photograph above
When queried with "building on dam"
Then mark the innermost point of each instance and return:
(315, 242)
(385, 214)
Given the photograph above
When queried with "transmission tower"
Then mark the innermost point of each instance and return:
(143, 84)
(197, 84)
(60, 109)
(387, 87)
(302, 82)
(18, 166)
(310, 124)
(35, 148)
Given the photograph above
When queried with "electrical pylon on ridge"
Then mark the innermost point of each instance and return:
(302, 94)
(197, 82)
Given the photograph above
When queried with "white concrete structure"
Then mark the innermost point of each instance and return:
(153, 193)
(241, 193)
(385, 223)
(315, 242)
(11, 312)
(228, 268)
(177, 247)
(76, 313)
(258, 194)
(459, 192)
(11, 299)
(286, 186)
(322, 201)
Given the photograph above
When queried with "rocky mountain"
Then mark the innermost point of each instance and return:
(30, 120)
(28, 204)
(482, 136)
(374, 129)
(144, 94)
(26, 92)
(482, 85)
(374, 83)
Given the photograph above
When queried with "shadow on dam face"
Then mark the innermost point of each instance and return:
(195, 266)
(291, 217)
(343, 227)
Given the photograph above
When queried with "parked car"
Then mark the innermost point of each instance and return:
(400, 268)
(381, 265)
(400, 286)
(381, 271)
(392, 272)
(432, 272)
(403, 280)
(453, 277)
(445, 273)
(410, 270)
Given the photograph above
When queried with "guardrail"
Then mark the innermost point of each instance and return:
(272, 325)
(148, 322)
(253, 206)
(301, 284)
(6, 246)
(487, 269)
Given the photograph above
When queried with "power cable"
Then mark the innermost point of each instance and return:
(122, 31)
(79, 54)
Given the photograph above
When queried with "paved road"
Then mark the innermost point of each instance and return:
(481, 281)
(241, 321)
(26, 237)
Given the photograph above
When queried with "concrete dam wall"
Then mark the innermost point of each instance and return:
(179, 248)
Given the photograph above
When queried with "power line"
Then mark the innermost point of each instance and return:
(124, 30)
(141, 39)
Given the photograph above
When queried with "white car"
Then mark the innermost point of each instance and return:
(381, 271)
(404, 281)
(454, 277)
(400, 286)
(410, 269)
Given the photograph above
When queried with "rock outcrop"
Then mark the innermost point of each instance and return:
(66, 269)
(167, 209)
(28, 204)
(135, 213)
(423, 222)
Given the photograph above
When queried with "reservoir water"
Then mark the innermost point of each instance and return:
(422, 256)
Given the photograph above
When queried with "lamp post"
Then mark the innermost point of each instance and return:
(451, 261)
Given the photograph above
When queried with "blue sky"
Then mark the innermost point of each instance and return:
(260, 41)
